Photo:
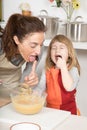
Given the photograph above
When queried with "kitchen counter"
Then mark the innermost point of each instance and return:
(73, 123)
(77, 45)
(48, 119)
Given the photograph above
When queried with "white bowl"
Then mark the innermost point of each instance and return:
(25, 126)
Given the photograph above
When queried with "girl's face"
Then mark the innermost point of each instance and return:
(30, 46)
(59, 49)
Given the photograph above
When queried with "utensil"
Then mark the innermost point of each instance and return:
(25, 89)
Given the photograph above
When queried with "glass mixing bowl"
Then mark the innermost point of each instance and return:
(26, 101)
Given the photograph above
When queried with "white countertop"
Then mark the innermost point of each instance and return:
(73, 123)
(77, 45)
(48, 119)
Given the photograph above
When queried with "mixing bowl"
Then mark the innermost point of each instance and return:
(27, 103)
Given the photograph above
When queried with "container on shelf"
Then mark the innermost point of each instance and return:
(52, 24)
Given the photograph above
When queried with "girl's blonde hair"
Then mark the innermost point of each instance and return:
(72, 59)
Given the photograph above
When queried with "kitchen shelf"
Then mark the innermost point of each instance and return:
(80, 45)
(77, 45)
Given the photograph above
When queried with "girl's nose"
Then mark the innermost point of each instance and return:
(57, 50)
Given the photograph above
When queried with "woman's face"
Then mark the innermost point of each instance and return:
(59, 49)
(30, 46)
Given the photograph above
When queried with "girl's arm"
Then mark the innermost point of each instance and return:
(70, 78)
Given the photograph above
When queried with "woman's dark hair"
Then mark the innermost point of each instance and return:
(1, 31)
(20, 26)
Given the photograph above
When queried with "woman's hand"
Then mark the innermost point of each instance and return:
(32, 78)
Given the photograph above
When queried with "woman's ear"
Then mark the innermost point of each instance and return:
(16, 40)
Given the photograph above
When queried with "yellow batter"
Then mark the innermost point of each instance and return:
(28, 103)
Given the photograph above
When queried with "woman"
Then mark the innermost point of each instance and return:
(21, 41)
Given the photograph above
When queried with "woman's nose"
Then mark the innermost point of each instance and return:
(38, 49)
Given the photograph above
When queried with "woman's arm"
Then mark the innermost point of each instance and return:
(41, 87)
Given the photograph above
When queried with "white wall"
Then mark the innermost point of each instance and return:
(12, 6)
(82, 87)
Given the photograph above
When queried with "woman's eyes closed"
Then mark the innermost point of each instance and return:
(33, 45)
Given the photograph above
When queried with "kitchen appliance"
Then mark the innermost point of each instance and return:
(51, 23)
(76, 31)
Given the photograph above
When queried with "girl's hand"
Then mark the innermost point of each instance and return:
(61, 62)
(32, 78)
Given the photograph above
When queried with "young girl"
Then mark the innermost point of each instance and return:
(62, 74)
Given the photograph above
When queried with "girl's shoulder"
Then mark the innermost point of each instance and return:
(74, 72)
(76, 77)
(74, 69)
